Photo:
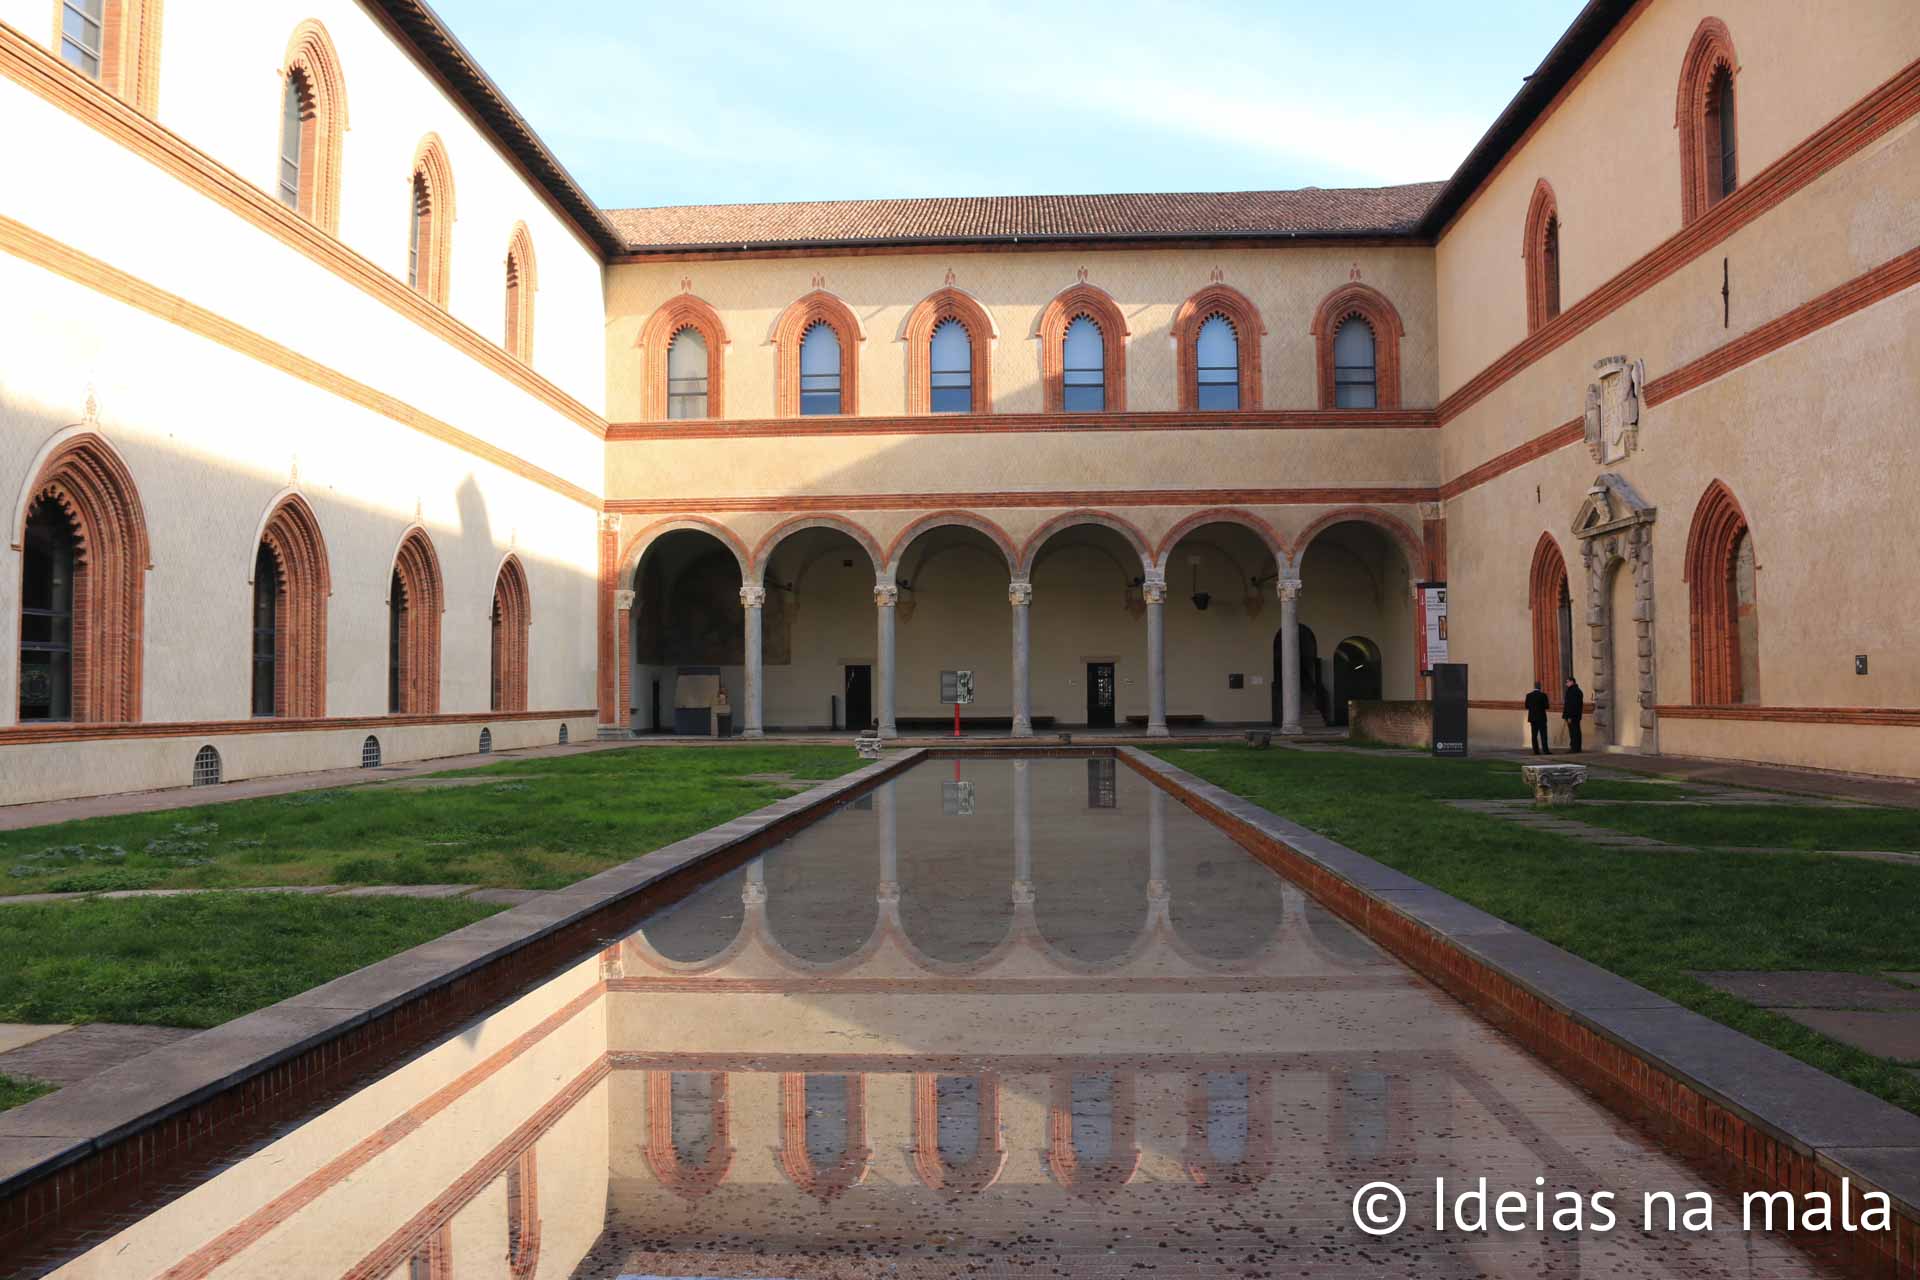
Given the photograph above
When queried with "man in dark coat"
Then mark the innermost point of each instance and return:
(1537, 704)
(1571, 710)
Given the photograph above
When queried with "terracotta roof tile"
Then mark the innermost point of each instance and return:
(1308, 211)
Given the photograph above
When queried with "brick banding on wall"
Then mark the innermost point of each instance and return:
(1238, 310)
(421, 602)
(292, 537)
(87, 480)
(656, 339)
(1097, 305)
(1363, 302)
(929, 314)
(818, 307)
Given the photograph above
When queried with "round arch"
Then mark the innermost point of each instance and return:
(1030, 550)
(637, 546)
(771, 540)
(937, 519)
(1409, 544)
(1220, 515)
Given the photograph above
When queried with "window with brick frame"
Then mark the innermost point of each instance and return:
(511, 617)
(684, 381)
(1540, 250)
(115, 43)
(831, 325)
(522, 280)
(1550, 604)
(313, 121)
(1704, 119)
(1098, 369)
(415, 601)
(1723, 618)
(1208, 380)
(430, 221)
(1346, 305)
(290, 622)
(949, 339)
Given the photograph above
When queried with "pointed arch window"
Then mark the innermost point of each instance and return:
(819, 370)
(510, 620)
(1541, 251)
(949, 338)
(1357, 336)
(313, 117)
(1083, 367)
(950, 368)
(415, 601)
(682, 342)
(1083, 352)
(522, 280)
(83, 35)
(1550, 601)
(430, 220)
(1217, 365)
(1704, 119)
(1216, 335)
(816, 340)
(113, 42)
(687, 375)
(49, 553)
(1722, 594)
(295, 129)
(1356, 383)
(1722, 157)
(266, 631)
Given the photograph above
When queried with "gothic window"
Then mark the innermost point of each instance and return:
(1355, 380)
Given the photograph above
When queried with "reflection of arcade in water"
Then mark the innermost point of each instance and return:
(1072, 1029)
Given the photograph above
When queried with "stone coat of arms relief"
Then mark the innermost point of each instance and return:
(1613, 408)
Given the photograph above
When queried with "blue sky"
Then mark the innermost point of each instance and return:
(650, 103)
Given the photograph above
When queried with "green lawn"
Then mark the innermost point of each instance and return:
(530, 824)
(1648, 916)
(1768, 826)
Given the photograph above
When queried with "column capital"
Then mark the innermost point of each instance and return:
(610, 521)
(886, 595)
(623, 599)
(1020, 593)
(1433, 511)
(1289, 588)
(753, 596)
(1154, 590)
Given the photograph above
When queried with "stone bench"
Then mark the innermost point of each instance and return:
(1554, 783)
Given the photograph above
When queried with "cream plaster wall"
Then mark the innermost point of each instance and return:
(221, 80)
(1286, 284)
(1612, 154)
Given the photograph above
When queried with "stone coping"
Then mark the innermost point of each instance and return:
(1830, 1124)
(42, 1137)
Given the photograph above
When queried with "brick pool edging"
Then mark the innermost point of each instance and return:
(90, 1148)
(1783, 1125)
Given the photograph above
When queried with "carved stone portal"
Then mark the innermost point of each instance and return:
(1615, 528)
(1613, 408)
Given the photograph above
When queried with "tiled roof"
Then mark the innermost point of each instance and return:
(1310, 211)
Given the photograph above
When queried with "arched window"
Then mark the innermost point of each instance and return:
(816, 340)
(1083, 386)
(1355, 379)
(1083, 353)
(1704, 118)
(683, 340)
(819, 370)
(511, 617)
(415, 602)
(957, 1143)
(522, 280)
(950, 368)
(206, 767)
(266, 632)
(313, 119)
(823, 1132)
(1217, 365)
(1357, 336)
(1551, 604)
(687, 375)
(115, 42)
(430, 220)
(83, 584)
(1722, 595)
(291, 583)
(1541, 250)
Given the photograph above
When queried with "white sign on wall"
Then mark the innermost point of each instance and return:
(1433, 625)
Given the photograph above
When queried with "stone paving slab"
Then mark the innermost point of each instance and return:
(1812, 989)
(409, 891)
(1885, 1035)
(74, 1054)
(15, 1035)
(506, 897)
(1894, 1170)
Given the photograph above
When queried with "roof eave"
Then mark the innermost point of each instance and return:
(1410, 233)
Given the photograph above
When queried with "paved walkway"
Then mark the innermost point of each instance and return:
(1558, 821)
(1879, 1014)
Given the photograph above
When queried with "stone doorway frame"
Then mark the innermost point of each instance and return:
(1615, 525)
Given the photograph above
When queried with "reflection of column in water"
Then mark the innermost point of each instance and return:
(887, 834)
(1158, 898)
(1022, 834)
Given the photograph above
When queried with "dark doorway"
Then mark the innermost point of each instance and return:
(1100, 695)
(1356, 675)
(859, 697)
(653, 710)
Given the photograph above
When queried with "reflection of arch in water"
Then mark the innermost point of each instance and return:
(1369, 1118)
(1229, 1129)
(823, 1132)
(823, 910)
(1091, 1129)
(957, 1144)
(1226, 909)
(1356, 674)
(688, 1148)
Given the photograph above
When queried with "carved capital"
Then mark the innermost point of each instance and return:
(1289, 588)
(752, 596)
(610, 521)
(1154, 590)
(1020, 593)
(887, 596)
(623, 599)
(1433, 511)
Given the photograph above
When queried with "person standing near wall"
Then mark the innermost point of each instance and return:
(1571, 711)
(1537, 704)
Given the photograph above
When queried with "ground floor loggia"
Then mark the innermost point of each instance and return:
(1088, 628)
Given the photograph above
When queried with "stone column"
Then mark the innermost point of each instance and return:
(1289, 655)
(1154, 591)
(885, 596)
(1020, 596)
(753, 599)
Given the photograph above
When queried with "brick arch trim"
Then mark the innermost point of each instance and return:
(311, 56)
(1239, 311)
(801, 315)
(1069, 305)
(523, 1215)
(423, 597)
(432, 168)
(1543, 283)
(1123, 1160)
(1030, 550)
(1410, 545)
(1710, 49)
(989, 1158)
(771, 540)
(638, 545)
(1255, 1165)
(1546, 579)
(936, 519)
(663, 1158)
(86, 478)
(1364, 302)
(1718, 523)
(523, 280)
(513, 601)
(656, 338)
(927, 315)
(291, 534)
(1221, 515)
(129, 50)
(795, 1160)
